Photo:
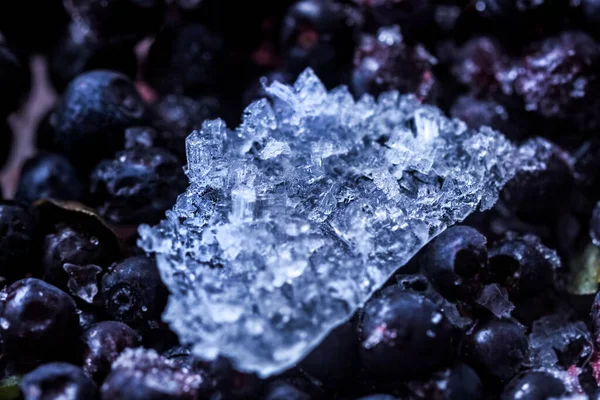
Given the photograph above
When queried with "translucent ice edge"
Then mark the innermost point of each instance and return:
(294, 219)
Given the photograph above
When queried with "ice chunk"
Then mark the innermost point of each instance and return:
(295, 218)
(83, 280)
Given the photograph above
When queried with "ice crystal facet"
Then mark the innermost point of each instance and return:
(292, 220)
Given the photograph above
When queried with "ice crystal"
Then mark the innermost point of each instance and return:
(294, 219)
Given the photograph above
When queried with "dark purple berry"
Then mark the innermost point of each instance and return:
(58, 381)
(118, 18)
(455, 383)
(90, 119)
(186, 60)
(404, 335)
(133, 292)
(455, 262)
(140, 374)
(533, 385)
(79, 51)
(137, 186)
(14, 79)
(385, 62)
(482, 65)
(102, 344)
(498, 349)
(49, 176)
(36, 321)
(6, 141)
(17, 241)
(378, 397)
(320, 34)
(559, 78)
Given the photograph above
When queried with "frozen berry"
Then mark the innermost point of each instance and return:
(497, 348)
(118, 18)
(37, 319)
(14, 79)
(404, 335)
(102, 344)
(138, 186)
(320, 34)
(140, 374)
(133, 291)
(386, 62)
(455, 383)
(17, 241)
(79, 50)
(455, 262)
(186, 60)
(559, 78)
(58, 381)
(533, 385)
(49, 176)
(90, 119)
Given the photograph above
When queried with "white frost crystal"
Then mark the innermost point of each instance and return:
(295, 218)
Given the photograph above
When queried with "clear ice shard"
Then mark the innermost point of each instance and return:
(292, 220)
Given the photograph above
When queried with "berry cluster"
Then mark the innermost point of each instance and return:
(503, 306)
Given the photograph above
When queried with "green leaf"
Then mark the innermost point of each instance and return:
(585, 272)
(9, 388)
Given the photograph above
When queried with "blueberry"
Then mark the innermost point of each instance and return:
(595, 314)
(48, 175)
(533, 385)
(455, 261)
(88, 316)
(118, 18)
(378, 397)
(404, 335)
(285, 391)
(455, 383)
(133, 292)
(102, 344)
(523, 265)
(73, 245)
(90, 119)
(58, 380)
(14, 79)
(140, 374)
(230, 383)
(37, 319)
(559, 77)
(497, 348)
(17, 241)
(335, 360)
(137, 186)
(79, 50)
(186, 60)
(320, 34)
(387, 62)
(6, 140)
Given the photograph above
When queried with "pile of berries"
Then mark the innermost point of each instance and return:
(504, 306)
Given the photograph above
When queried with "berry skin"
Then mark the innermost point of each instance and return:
(90, 119)
(498, 349)
(49, 176)
(186, 60)
(37, 320)
(79, 51)
(386, 62)
(102, 344)
(559, 78)
(6, 140)
(14, 80)
(320, 34)
(133, 292)
(533, 385)
(455, 383)
(131, 19)
(137, 186)
(404, 335)
(455, 262)
(140, 374)
(17, 241)
(58, 381)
